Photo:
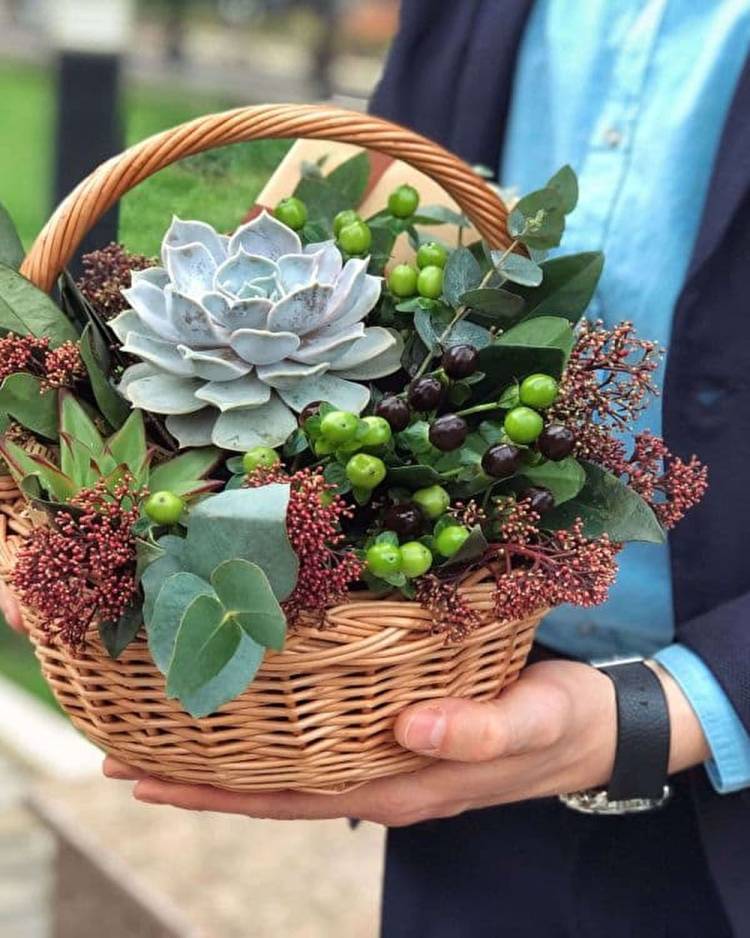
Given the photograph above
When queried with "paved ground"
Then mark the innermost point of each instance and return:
(207, 876)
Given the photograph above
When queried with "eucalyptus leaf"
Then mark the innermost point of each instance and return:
(176, 594)
(158, 570)
(21, 397)
(205, 643)
(565, 183)
(25, 310)
(462, 273)
(229, 683)
(517, 268)
(245, 523)
(439, 215)
(350, 178)
(247, 597)
(432, 326)
(11, 249)
(414, 477)
(607, 506)
(544, 218)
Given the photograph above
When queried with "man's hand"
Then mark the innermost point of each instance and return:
(10, 609)
(551, 732)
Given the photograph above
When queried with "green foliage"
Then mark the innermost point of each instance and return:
(21, 397)
(538, 219)
(542, 332)
(608, 506)
(326, 196)
(517, 268)
(25, 310)
(564, 479)
(462, 274)
(116, 636)
(95, 356)
(212, 600)
(567, 286)
(431, 326)
(494, 305)
(11, 249)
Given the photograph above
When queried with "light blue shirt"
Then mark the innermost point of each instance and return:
(634, 94)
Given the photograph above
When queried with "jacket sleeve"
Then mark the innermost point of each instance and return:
(721, 637)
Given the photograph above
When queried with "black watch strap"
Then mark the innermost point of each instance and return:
(642, 754)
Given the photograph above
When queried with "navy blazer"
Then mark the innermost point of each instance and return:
(449, 76)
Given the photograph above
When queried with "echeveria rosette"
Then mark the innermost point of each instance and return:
(235, 334)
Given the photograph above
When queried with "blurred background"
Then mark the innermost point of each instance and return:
(80, 79)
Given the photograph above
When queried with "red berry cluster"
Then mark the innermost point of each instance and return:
(60, 367)
(669, 484)
(450, 613)
(106, 273)
(314, 526)
(81, 568)
(550, 569)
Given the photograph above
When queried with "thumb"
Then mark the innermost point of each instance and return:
(522, 719)
(10, 609)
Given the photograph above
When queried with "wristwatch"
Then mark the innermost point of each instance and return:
(639, 777)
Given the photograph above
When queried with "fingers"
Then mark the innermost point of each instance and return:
(527, 717)
(115, 769)
(11, 609)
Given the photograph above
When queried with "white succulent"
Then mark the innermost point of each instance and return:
(237, 333)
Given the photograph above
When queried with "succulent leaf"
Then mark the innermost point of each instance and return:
(255, 327)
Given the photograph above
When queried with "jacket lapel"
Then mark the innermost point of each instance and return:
(730, 180)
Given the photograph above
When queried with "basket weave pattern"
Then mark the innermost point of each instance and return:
(319, 715)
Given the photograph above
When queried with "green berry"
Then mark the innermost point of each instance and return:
(365, 472)
(347, 217)
(523, 425)
(378, 432)
(403, 201)
(430, 282)
(339, 426)
(355, 238)
(164, 507)
(383, 559)
(433, 500)
(416, 559)
(538, 390)
(402, 281)
(432, 254)
(292, 212)
(260, 456)
(451, 539)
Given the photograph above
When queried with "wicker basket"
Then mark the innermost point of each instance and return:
(319, 715)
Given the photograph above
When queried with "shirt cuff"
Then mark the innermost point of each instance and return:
(729, 769)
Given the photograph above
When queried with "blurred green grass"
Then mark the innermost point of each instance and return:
(218, 187)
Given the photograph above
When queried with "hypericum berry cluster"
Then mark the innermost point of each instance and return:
(81, 568)
(449, 611)
(669, 484)
(60, 367)
(106, 273)
(607, 384)
(314, 526)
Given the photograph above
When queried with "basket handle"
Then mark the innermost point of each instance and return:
(86, 204)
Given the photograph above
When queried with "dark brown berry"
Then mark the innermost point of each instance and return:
(310, 410)
(395, 411)
(460, 361)
(406, 519)
(502, 460)
(448, 432)
(556, 442)
(540, 499)
(425, 393)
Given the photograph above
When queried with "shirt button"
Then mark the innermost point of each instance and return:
(613, 137)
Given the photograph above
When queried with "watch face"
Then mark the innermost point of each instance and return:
(595, 801)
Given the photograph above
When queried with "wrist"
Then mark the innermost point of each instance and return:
(688, 746)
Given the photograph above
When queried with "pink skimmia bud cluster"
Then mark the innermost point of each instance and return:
(326, 570)
(450, 613)
(106, 273)
(80, 569)
(669, 484)
(536, 569)
(60, 367)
